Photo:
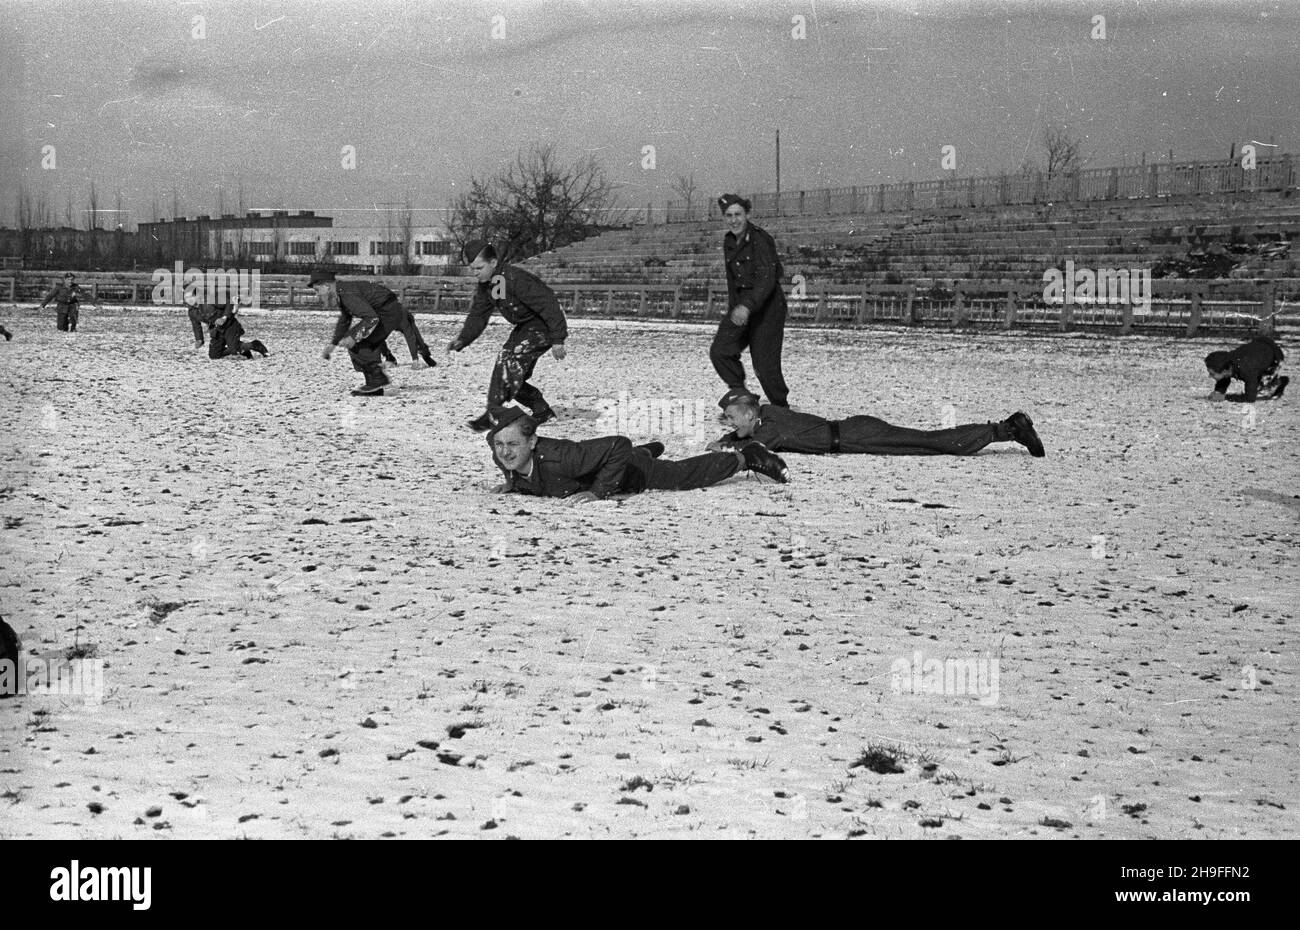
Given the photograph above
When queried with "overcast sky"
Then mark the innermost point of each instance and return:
(132, 100)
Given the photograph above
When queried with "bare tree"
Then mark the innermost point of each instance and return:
(536, 204)
(684, 187)
(1064, 157)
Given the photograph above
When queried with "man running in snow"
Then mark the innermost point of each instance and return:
(539, 325)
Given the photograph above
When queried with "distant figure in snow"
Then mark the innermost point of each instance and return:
(224, 331)
(66, 297)
(1254, 363)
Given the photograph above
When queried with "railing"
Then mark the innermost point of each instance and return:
(1176, 306)
(1168, 179)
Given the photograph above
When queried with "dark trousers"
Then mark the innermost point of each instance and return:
(763, 334)
(515, 366)
(647, 473)
(66, 319)
(366, 354)
(414, 341)
(865, 435)
(226, 340)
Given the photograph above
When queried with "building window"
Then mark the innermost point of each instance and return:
(345, 248)
(436, 248)
(302, 248)
(387, 248)
(261, 248)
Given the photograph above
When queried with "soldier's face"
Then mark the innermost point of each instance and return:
(483, 268)
(740, 418)
(512, 448)
(1215, 375)
(735, 218)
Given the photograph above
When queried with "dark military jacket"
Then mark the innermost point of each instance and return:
(527, 301)
(754, 271)
(562, 467)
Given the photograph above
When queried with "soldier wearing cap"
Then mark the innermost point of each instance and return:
(594, 469)
(66, 296)
(539, 325)
(368, 313)
(783, 430)
(1254, 363)
(755, 316)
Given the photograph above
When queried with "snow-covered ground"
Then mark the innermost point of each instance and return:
(316, 621)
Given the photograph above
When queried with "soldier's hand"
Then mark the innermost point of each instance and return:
(1216, 396)
(740, 315)
(454, 346)
(715, 446)
(583, 497)
(198, 344)
(559, 351)
(327, 352)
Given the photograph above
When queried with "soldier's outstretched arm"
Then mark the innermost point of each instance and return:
(475, 322)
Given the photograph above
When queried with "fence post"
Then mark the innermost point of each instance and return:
(1009, 316)
(290, 285)
(959, 307)
(1153, 182)
(911, 194)
(134, 294)
(908, 311)
(677, 302)
(853, 200)
(819, 315)
(94, 291)
(862, 307)
(708, 301)
(609, 302)
(1004, 190)
(640, 310)
(1066, 319)
(1266, 320)
(437, 298)
(1193, 318)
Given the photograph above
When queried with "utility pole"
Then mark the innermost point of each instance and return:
(778, 172)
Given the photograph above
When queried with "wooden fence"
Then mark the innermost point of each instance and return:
(1176, 306)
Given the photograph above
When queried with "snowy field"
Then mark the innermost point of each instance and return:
(316, 621)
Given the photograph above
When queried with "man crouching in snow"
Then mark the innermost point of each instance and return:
(594, 469)
(1254, 364)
